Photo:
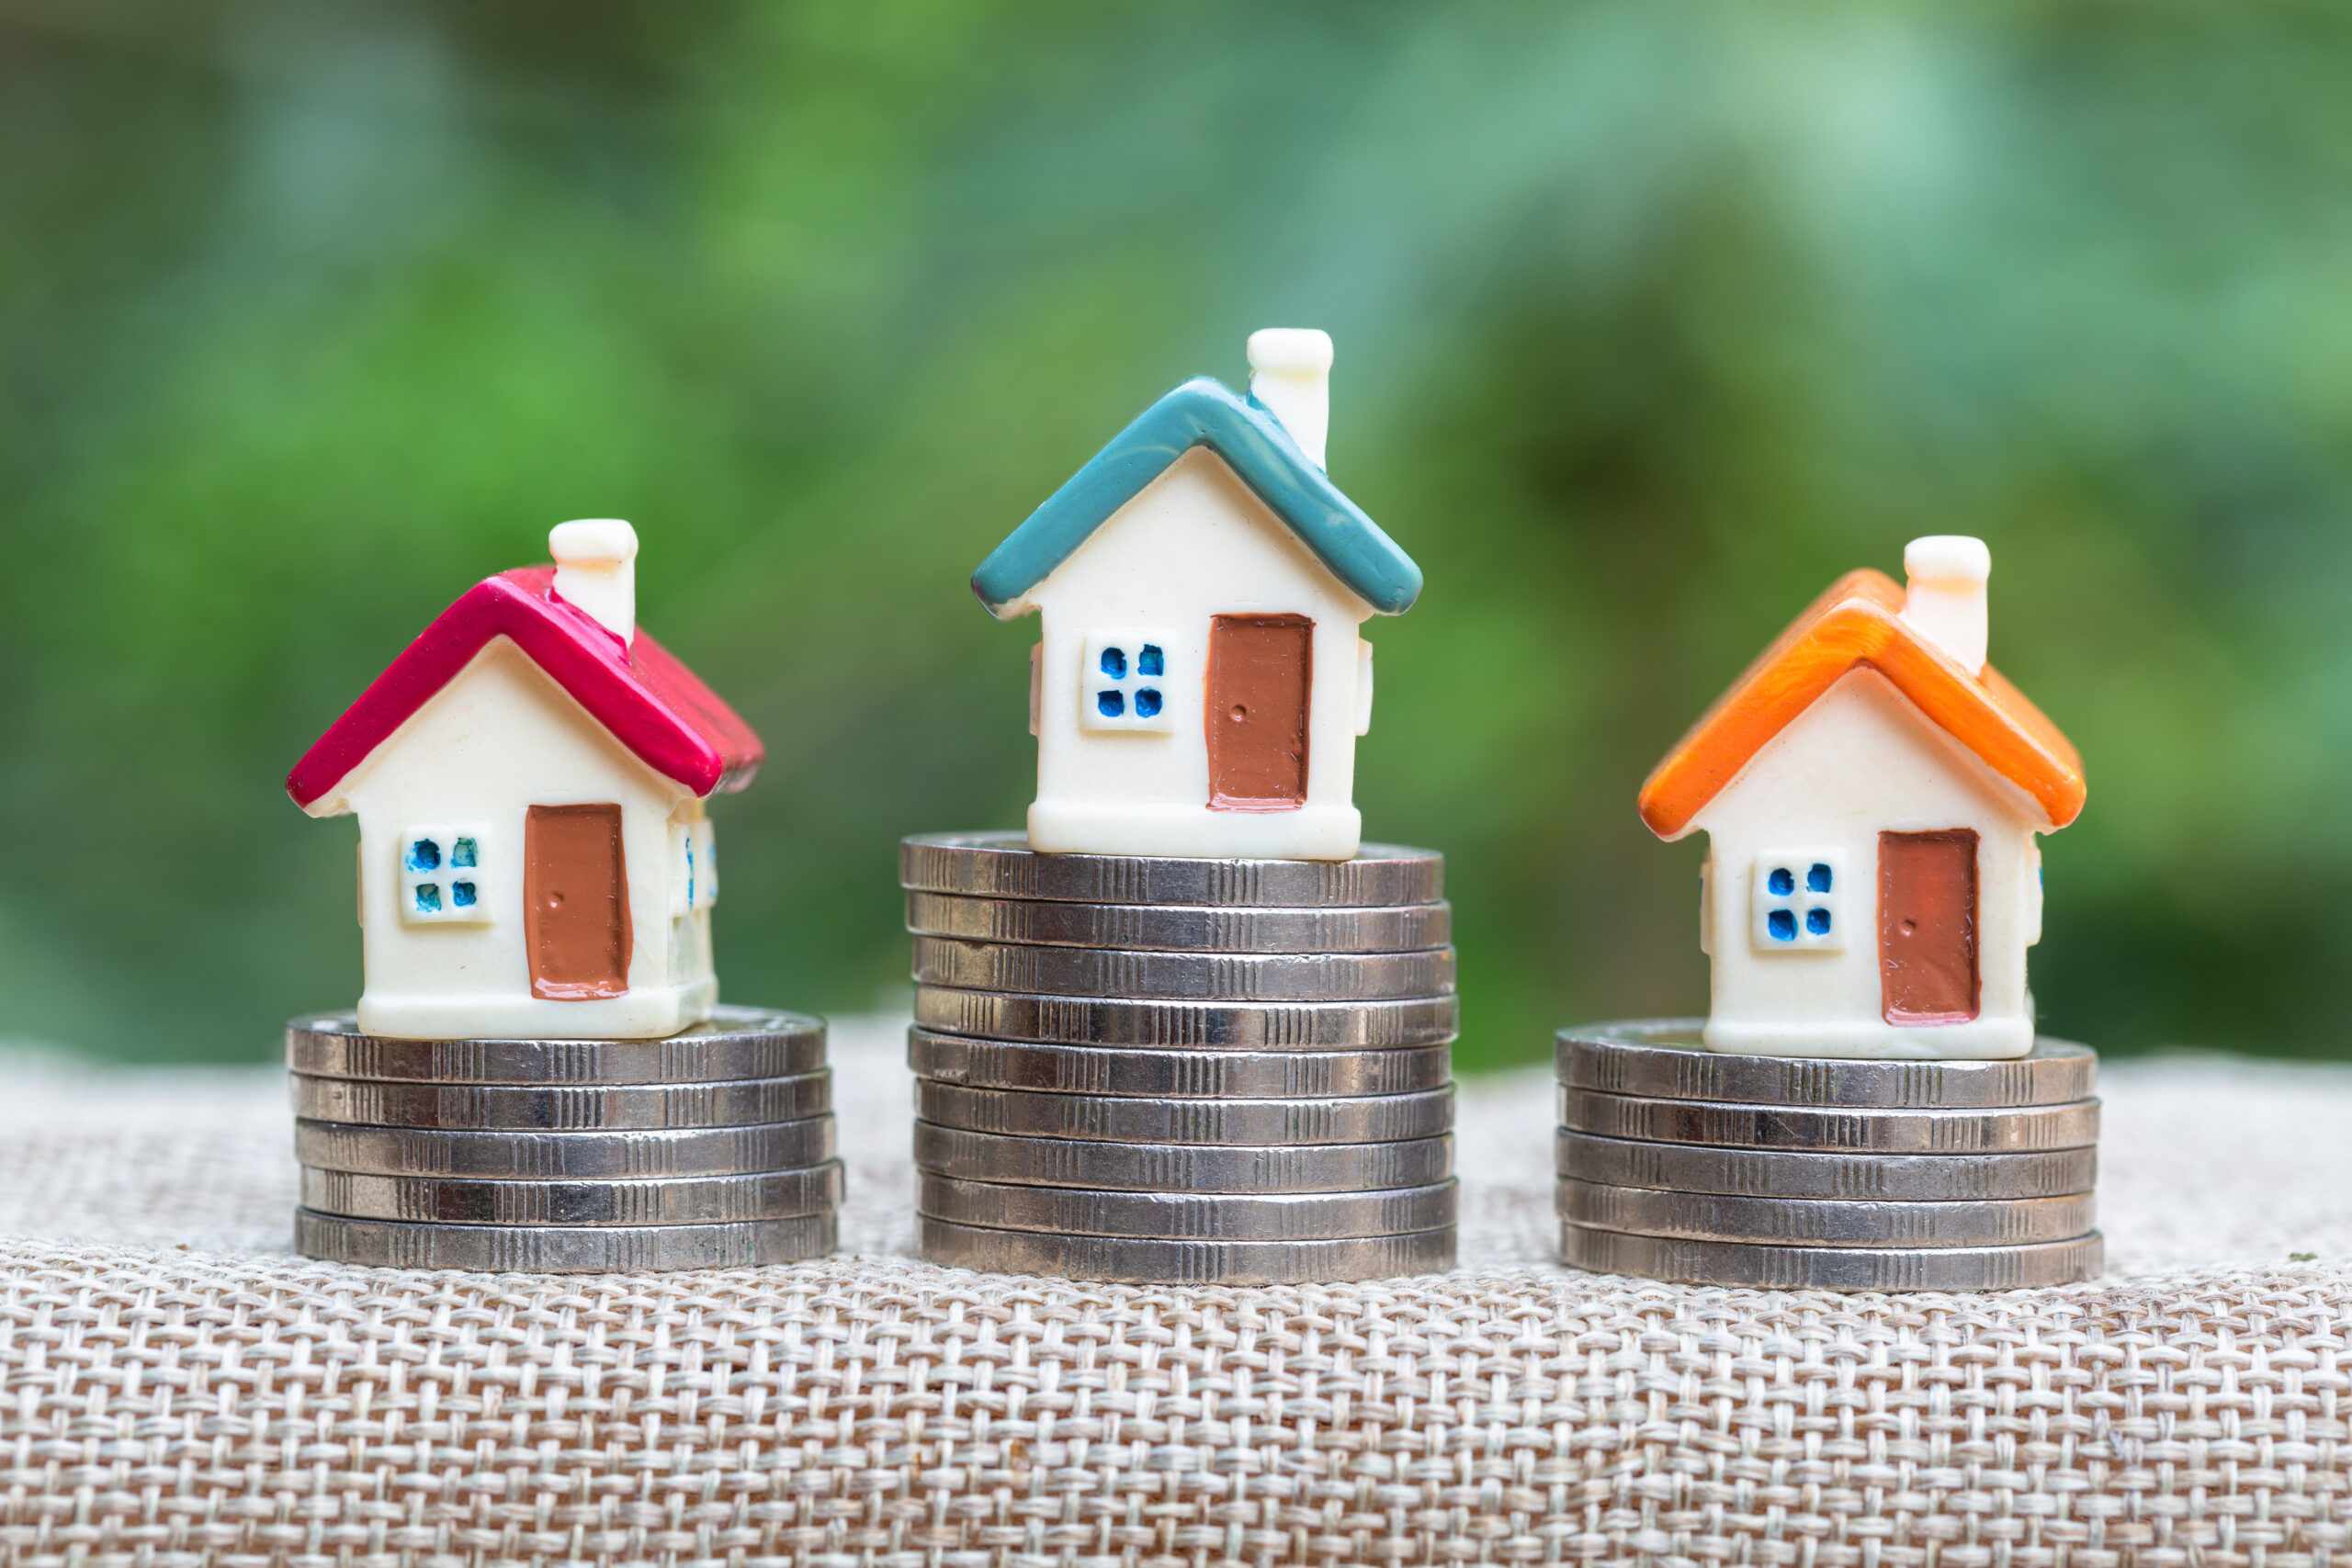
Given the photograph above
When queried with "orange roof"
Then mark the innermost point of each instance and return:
(1858, 622)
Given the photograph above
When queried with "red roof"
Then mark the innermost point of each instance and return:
(652, 703)
(1859, 622)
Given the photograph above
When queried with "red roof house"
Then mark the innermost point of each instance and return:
(529, 777)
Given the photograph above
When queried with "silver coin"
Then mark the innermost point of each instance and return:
(1790, 1173)
(1200, 1026)
(1145, 1261)
(669, 1201)
(1833, 1267)
(1181, 927)
(1001, 866)
(1243, 1074)
(1826, 1222)
(1792, 1127)
(686, 1152)
(1370, 1120)
(1206, 976)
(545, 1249)
(738, 1043)
(1663, 1058)
(1187, 1216)
(744, 1102)
(1181, 1168)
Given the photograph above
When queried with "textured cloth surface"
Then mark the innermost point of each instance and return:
(175, 1386)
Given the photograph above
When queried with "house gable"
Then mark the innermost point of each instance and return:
(500, 731)
(641, 694)
(1260, 454)
(1859, 624)
(1860, 759)
(1198, 540)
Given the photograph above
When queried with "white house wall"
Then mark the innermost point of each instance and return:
(1863, 760)
(1194, 544)
(496, 740)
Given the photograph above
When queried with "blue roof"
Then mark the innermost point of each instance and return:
(1205, 411)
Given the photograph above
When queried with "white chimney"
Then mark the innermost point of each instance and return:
(1945, 598)
(595, 570)
(1290, 372)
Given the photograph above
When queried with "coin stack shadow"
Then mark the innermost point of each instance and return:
(1181, 1070)
(1679, 1163)
(713, 1148)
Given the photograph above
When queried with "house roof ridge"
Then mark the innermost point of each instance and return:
(1857, 623)
(1254, 445)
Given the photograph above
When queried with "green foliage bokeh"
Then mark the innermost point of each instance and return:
(1652, 318)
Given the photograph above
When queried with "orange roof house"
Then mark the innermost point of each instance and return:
(1872, 788)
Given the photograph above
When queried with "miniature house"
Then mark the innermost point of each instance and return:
(529, 777)
(1871, 789)
(1199, 681)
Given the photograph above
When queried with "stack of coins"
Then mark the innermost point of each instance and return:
(1677, 1163)
(1232, 1071)
(713, 1148)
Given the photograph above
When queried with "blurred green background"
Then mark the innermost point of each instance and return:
(1652, 318)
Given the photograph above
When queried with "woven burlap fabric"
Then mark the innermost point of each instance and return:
(175, 1387)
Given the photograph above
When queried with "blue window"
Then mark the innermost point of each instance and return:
(443, 875)
(696, 887)
(1795, 902)
(1127, 682)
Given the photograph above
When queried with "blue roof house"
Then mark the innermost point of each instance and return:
(1200, 678)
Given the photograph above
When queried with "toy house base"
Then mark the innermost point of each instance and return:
(1314, 831)
(1978, 1040)
(648, 1012)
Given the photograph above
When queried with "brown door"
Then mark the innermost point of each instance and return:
(575, 902)
(1927, 926)
(1260, 668)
